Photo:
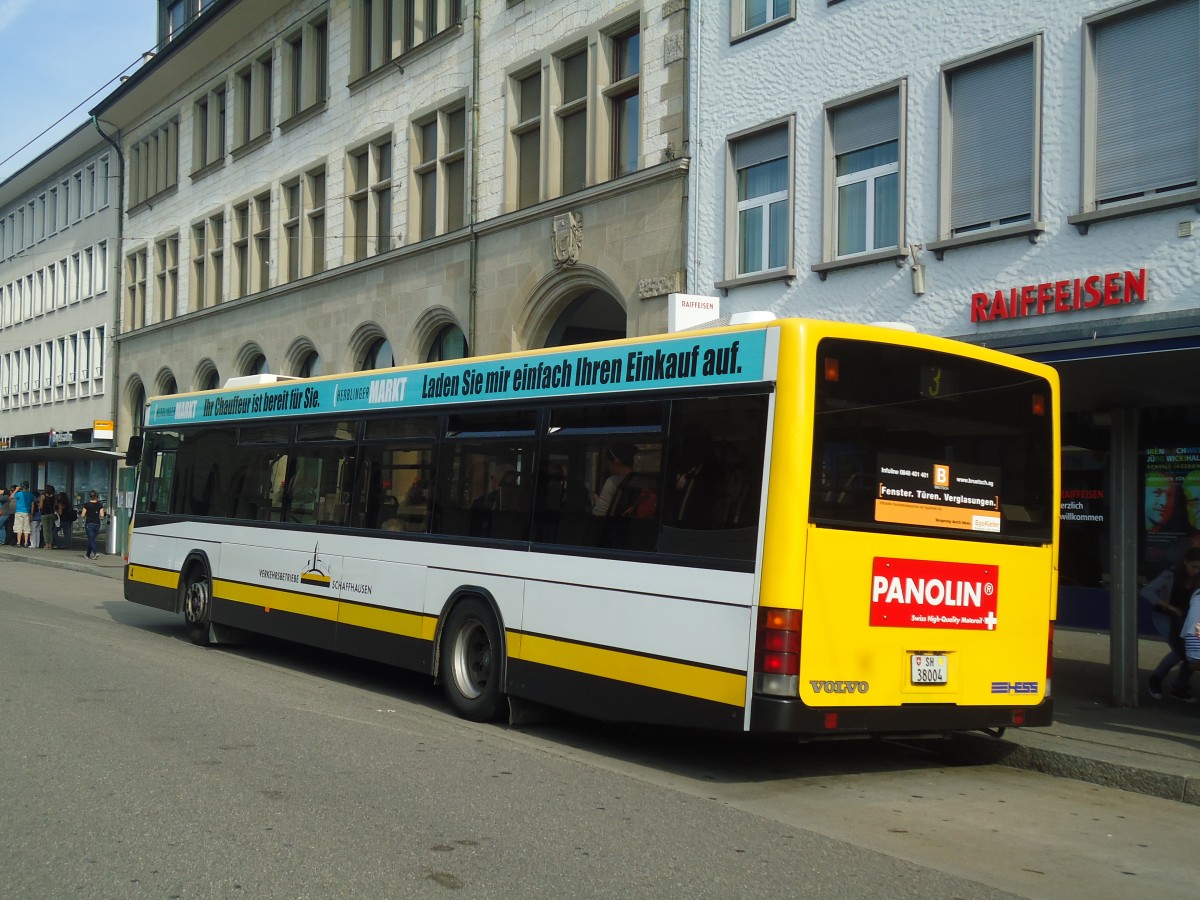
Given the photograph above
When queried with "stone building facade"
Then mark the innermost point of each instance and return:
(331, 186)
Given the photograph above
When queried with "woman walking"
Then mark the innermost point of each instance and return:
(1168, 596)
(93, 512)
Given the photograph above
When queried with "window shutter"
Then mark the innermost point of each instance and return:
(1147, 76)
(866, 124)
(991, 108)
(759, 148)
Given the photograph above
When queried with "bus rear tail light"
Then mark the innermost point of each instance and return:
(777, 652)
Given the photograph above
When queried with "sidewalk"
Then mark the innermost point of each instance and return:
(1153, 749)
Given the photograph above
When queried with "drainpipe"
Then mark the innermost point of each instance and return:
(113, 357)
(473, 185)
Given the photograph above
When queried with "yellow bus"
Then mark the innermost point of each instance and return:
(790, 527)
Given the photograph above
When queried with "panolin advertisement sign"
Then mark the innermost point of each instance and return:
(920, 593)
(937, 495)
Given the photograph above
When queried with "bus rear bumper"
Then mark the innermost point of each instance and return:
(783, 716)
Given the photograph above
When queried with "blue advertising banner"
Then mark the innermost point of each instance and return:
(737, 357)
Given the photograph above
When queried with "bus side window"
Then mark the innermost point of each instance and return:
(715, 463)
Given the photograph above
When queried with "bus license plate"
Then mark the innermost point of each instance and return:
(928, 669)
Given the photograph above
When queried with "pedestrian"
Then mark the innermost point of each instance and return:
(64, 516)
(47, 503)
(22, 510)
(93, 513)
(8, 509)
(35, 519)
(1168, 597)
(1190, 634)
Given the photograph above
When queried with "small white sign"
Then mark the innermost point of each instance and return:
(690, 310)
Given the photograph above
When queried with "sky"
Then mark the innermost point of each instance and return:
(58, 59)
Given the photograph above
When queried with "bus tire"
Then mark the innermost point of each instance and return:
(197, 606)
(470, 662)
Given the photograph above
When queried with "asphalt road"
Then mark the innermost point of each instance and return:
(137, 765)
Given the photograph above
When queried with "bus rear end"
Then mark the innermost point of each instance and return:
(909, 570)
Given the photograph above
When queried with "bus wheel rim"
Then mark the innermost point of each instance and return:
(472, 659)
(195, 604)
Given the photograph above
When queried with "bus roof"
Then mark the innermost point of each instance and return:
(723, 356)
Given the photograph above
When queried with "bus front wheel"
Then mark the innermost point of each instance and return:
(197, 608)
(470, 662)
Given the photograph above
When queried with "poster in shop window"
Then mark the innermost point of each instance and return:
(1171, 503)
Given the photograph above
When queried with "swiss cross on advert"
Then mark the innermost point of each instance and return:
(918, 593)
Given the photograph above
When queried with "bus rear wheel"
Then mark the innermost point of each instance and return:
(470, 662)
(197, 608)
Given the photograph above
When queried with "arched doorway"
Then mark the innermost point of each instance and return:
(592, 315)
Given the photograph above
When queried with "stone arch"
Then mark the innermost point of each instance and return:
(297, 354)
(244, 360)
(563, 296)
(206, 369)
(427, 327)
(361, 340)
(165, 381)
(133, 398)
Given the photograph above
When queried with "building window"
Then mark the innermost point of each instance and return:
(989, 142)
(448, 344)
(102, 267)
(208, 270)
(592, 111)
(377, 356)
(241, 249)
(166, 271)
(153, 168)
(527, 138)
(624, 94)
(208, 262)
(315, 184)
(370, 200)
(302, 247)
(104, 175)
(198, 289)
(306, 67)
(253, 101)
(290, 248)
(571, 121)
(864, 175)
(135, 290)
(1141, 104)
(385, 29)
(760, 165)
(310, 366)
(175, 15)
(89, 196)
(261, 253)
(208, 129)
(750, 15)
(440, 172)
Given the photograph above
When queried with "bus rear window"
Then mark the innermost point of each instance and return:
(912, 440)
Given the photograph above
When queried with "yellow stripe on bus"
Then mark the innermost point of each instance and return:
(157, 577)
(390, 621)
(271, 599)
(661, 674)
